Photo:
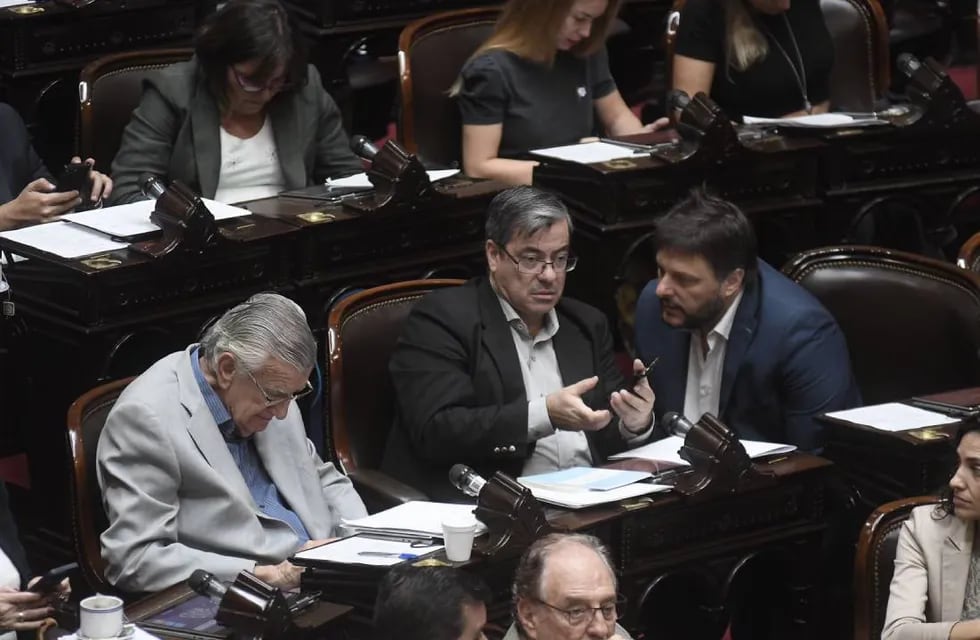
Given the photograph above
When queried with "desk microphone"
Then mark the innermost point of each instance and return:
(466, 480)
(677, 100)
(151, 187)
(908, 64)
(363, 147)
(206, 584)
(676, 424)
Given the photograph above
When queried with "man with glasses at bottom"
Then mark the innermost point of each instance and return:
(204, 461)
(503, 373)
(565, 589)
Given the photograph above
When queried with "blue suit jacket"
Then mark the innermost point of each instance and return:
(785, 363)
(19, 164)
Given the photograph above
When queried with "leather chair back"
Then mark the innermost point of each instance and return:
(912, 323)
(86, 418)
(109, 90)
(363, 330)
(874, 564)
(431, 53)
(860, 76)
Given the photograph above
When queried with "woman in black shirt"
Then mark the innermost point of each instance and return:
(538, 82)
(768, 58)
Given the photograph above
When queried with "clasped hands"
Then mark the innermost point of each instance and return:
(286, 575)
(39, 201)
(26, 610)
(567, 410)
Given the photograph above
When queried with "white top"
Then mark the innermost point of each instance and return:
(9, 577)
(250, 167)
(703, 392)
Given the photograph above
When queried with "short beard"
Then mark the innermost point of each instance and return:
(706, 317)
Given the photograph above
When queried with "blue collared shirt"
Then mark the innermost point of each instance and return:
(246, 457)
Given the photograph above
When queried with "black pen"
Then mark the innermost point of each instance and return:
(642, 374)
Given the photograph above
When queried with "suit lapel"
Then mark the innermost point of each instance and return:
(205, 127)
(957, 548)
(205, 433)
(670, 373)
(739, 340)
(285, 128)
(498, 342)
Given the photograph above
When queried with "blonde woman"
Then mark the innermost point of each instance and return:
(542, 79)
(767, 58)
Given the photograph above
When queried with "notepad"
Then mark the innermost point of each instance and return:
(349, 550)
(668, 448)
(132, 220)
(588, 478)
(361, 179)
(581, 498)
(63, 239)
(893, 416)
(589, 152)
(416, 519)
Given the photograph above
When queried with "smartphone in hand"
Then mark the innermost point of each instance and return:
(50, 580)
(76, 176)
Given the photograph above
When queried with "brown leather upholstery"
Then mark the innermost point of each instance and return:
(860, 75)
(363, 330)
(912, 323)
(109, 90)
(431, 53)
(969, 255)
(86, 418)
(874, 564)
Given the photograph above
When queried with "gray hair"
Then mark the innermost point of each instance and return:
(527, 576)
(523, 211)
(266, 325)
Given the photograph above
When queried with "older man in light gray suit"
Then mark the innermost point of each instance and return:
(204, 462)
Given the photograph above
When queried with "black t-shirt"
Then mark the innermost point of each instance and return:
(538, 106)
(769, 87)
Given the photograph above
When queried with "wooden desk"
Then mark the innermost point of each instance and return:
(83, 322)
(685, 566)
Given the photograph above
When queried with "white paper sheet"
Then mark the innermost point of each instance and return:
(14, 3)
(63, 239)
(893, 416)
(588, 152)
(351, 550)
(578, 499)
(815, 120)
(417, 518)
(133, 219)
(587, 478)
(667, 449)
(361, 179)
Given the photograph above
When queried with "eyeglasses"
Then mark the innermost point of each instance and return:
(271, 400)
(534, 266)
(248, 86)
(578, 616)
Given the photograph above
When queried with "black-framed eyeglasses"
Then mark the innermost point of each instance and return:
(578, 616)
(272, 400)
(249, 86)
(533, 266)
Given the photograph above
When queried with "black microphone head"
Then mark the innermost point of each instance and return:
(677, 99)
(362, 147)
(457, 473)
(908, 63)
(668, 421)
(151, 186)
(198, 580)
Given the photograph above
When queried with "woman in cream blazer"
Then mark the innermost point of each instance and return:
(933, 558)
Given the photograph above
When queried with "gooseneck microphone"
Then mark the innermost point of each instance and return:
(151, 186)
(676, 424)
(206, 584)
(466, 480)
(677, 100)
(908, 64)
(363, 147)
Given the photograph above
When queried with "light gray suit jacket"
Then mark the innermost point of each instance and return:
(513, 634)
(176, 500)
(931, 567)
(174, 133)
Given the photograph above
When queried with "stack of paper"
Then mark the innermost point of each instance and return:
(360, 180)
(667, 449)
(63, 239)
(133, 219)
(589, 152)
(416, 519)
(817, 121)
(363, 549)
(893, 416)
(588, 478)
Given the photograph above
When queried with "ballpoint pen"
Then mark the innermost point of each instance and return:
(642, 374)
(388, 554)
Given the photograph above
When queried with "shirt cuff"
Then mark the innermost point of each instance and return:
(635, 438)
(538, 422)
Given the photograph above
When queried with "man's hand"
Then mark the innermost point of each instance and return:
(315, 543)
(101, 183)
(635, 409)
(656, 125)
(284, 575)
(567, 411)
(36, 203)
(22, 610)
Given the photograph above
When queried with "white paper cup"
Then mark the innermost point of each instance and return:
(458, 536)
(101, 616)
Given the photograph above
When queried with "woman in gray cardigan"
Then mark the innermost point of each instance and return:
(245, 118)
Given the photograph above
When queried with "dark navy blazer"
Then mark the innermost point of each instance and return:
(19, 163)
(785, 363)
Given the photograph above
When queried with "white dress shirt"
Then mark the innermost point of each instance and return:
(9, 577)
(249, 167)
(703, 392)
